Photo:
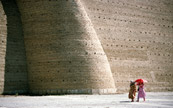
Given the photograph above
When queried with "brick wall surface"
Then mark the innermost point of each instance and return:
(13, 69)
(63, 52)
(137, 37)
(86, 46)
(3, 35)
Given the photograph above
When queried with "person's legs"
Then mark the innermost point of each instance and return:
(144, 98)
(137, 99)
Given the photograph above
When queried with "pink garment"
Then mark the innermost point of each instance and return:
(141, 92)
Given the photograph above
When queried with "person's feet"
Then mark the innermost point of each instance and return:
(137, 101)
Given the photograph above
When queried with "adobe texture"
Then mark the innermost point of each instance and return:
(85, 46)
(63, 52)
(13, 59)
(137, 37)
(3, 33)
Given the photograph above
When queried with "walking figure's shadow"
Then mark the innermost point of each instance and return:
(125, 101)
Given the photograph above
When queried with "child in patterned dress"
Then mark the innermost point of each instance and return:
(141, 92)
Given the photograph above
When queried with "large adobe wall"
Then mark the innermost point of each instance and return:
(13, 72)
(64, 54)
(85, 46)
(137, 37)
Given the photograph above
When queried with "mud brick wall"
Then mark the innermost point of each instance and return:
(63, 52)
(85, 46)
(13, 71)
(137, 37)
(3, 35)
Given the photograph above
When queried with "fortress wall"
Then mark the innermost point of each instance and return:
(64, 54)
(13, 59)
(137, 37)
(85, 46)
(3, 35)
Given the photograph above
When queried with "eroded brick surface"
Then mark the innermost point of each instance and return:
(85, 46)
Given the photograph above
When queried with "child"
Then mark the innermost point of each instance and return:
(132, 91)
(141, 91)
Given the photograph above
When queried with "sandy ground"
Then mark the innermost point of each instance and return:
(153, 100)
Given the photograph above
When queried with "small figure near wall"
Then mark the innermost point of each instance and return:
(132, 91)
(141, 91)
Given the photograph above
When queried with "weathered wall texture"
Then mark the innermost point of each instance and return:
(3, 35)
(63, 52)
(85, 46)
(14, 72)
(137, 37)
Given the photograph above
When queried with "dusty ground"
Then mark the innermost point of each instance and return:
(153, 100)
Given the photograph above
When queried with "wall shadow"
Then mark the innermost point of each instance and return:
(15, 78)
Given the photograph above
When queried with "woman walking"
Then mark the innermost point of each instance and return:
(132, 91)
